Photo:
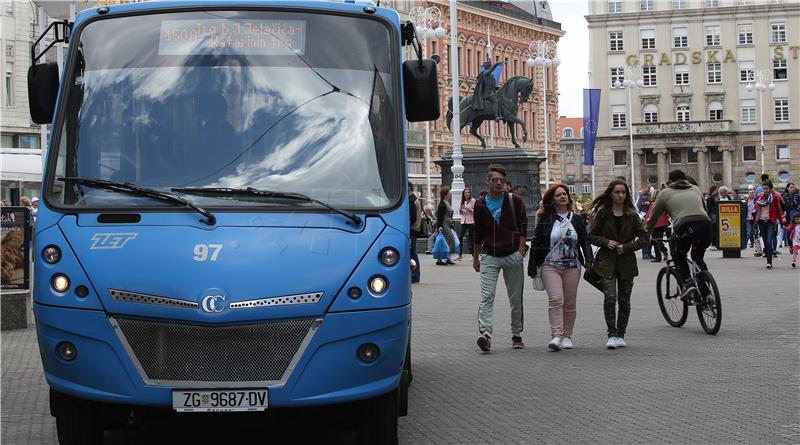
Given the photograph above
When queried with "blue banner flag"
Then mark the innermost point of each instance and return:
(496, 73)
(591, 114)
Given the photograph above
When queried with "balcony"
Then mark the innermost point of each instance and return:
(663, 128)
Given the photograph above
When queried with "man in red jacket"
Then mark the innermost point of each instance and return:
(500, 228)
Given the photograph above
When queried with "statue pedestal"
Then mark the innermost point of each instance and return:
(522, 167)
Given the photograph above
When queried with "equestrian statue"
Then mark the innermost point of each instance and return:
(487, 102)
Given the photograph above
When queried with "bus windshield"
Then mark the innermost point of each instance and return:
(285, 101)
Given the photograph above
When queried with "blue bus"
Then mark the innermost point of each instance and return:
(224, 224)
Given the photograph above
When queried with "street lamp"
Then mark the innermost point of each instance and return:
(632, 79)
(543, 52)
(763, 81)
(424, 19)
(458, 167)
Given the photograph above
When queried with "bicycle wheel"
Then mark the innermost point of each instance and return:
(667, 289)
(709, 308)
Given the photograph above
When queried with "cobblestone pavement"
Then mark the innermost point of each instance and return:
(670, 385)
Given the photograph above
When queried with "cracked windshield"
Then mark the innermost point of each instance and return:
(289, 102)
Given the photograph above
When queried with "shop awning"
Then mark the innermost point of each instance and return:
(20, 166)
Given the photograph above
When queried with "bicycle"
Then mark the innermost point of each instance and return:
(675, 309)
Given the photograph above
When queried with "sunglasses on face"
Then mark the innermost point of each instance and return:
(498, 180)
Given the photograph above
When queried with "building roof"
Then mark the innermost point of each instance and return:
(532, 11)
(572, 122)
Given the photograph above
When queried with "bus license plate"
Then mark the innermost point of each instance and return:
(223, 400)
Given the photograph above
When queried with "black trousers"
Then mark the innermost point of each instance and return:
(694, 237)
(658, 244)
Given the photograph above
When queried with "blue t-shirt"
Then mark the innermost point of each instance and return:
(495, 207)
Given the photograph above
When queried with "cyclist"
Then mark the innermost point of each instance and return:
(683, 202)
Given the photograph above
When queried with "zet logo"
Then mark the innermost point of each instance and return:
(111, 240)
(213, 303)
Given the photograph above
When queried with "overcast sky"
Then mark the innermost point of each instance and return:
(573, 49)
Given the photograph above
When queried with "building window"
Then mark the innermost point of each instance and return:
(745, 34)
(715, 111)
(648, 37)
(676, 156)
(782, 110)
(682, 113)
(748, 153)
(712, 3)
(778, 34)
(744, 2)
(620, 157)
(680, 37)
(650, 114)
(691, 156)
(570, 151)
(782, 152)
(587, 188)
(679, 4)
(646, 5)
(681, 75)
(714, 155)
(9, 84)
(615, 41)
(649, 75)
(571, 188)
(9, 7)
(650, 158)
(19, 140)
(568, 133)
(469, 62)
(745, 72)
(618, 119)
(714, 72)
(617, 75)
(712, 35)
(614, 6)
(779, 69)
(749, 111)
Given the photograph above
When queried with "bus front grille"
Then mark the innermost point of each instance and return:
(169, 352)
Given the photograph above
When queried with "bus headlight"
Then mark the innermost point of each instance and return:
(389, 256)
(51, 254)
(60, 283)
(378, 285)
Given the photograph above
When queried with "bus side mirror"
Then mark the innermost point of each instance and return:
(42, 91)
(421, 86)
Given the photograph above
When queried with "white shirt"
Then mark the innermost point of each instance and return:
(560, 228)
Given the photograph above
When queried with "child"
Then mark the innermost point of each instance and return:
(793, 231)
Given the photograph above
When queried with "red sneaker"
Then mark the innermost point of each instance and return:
(516, 343)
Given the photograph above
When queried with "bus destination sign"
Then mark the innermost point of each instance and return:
(222, 36)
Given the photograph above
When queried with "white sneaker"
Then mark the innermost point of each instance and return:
(566, 343)
(621, 342)
(612, 343)
(555, 343)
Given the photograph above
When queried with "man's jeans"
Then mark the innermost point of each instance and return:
(767, 230)
(514, 276)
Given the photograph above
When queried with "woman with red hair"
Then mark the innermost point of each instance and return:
(560, 246)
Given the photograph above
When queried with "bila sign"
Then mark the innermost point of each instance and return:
(16, 235)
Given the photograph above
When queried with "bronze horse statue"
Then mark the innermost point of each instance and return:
(515, 90)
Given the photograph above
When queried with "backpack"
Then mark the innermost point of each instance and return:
(415, 214)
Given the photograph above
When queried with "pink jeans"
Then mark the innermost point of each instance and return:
(562, 293)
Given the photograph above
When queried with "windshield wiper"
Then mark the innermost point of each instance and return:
(250, 191)
(126, 187)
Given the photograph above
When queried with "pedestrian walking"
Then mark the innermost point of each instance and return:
(559, 248)
(768, 215)
(712, 201)
(467, 209)
(793, 230)
(618, 231)
(415, 217)
(444, 222)
(429, 222)
(750, 201)
(661, 229)
(500, 228)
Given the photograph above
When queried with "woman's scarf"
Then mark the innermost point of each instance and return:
(764, 201)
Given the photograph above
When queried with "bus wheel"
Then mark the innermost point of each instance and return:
(77, 422)
(378, 420)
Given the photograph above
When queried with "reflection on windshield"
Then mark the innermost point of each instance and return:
(237, 122)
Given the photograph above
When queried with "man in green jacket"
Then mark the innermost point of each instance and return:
(691, 226)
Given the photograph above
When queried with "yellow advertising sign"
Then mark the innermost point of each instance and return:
(730, 225)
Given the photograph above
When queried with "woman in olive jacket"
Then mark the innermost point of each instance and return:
(617, 229)
(561, 270)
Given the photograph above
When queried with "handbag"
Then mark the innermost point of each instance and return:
(592, 278)
(538, 282)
